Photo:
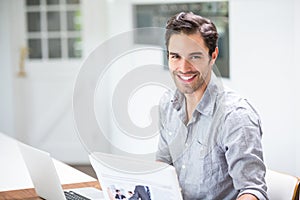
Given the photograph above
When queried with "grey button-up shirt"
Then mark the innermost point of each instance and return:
(218, 153)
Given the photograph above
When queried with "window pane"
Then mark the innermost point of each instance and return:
(48, 36)
(52, 2)
(35, 48)
(73, 20)
(73, 1)
(32, 2)
(54, 48)
(53, 19)
(74, 47)
(33, 21)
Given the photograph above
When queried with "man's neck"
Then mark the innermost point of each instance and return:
(192, 101)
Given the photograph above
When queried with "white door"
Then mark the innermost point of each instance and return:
(48, 50)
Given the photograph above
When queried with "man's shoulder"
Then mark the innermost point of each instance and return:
(168, 100)
(167, 96)
(231, 99)
(236, 106)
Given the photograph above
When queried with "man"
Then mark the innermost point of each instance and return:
(141, 193)
(210, 134)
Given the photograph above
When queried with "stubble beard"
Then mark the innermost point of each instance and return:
(189, 88)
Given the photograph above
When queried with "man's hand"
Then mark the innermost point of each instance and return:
(247, 197)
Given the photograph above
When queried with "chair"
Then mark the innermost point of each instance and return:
(282, 186)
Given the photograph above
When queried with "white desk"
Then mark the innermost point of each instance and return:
(14, 174)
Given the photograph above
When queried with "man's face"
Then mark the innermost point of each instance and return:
(189, 62)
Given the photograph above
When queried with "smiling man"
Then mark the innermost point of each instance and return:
(211, 135)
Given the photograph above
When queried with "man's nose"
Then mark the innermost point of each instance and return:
(185, 65)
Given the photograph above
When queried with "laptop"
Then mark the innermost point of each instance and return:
(45, 178)
(131, 178)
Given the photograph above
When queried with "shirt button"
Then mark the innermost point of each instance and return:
(183, 166)
(186, 144)
(170, 133)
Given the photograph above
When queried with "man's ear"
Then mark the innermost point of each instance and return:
(215, 54)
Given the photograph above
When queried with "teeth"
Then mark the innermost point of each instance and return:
(186, 77)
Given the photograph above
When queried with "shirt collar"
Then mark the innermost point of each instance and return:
(177, 100)
(207, 103)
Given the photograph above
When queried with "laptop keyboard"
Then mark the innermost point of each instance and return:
(70, 195)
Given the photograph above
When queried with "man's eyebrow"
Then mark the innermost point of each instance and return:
(196, 53)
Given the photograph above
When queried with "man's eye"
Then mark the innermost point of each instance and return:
(196, 57)
(174, 56)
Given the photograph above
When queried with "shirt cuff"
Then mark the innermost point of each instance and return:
(256, 193)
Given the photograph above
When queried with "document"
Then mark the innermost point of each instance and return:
(128, 178)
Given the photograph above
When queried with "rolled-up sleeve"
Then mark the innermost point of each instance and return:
(243, 152)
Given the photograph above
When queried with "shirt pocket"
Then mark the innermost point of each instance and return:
(202, 148)
(212, 159)
(199, 172)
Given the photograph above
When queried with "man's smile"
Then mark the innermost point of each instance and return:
(186, 77)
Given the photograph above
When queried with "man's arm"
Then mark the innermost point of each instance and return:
(244, 155)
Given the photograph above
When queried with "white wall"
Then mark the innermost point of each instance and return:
(6, 72)
(95, 26)
(296, 64)
(263, 69)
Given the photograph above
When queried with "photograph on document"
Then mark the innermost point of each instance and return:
(136, 191)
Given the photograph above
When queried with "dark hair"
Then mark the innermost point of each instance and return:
(189, 23)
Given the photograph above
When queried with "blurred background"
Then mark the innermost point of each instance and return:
(44, 42)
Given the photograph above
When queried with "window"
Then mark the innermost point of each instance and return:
(53, 29)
